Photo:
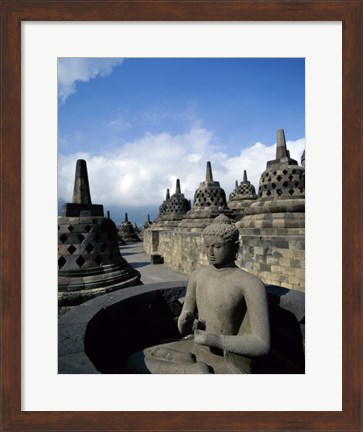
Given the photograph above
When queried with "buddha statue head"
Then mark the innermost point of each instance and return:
(221, 241)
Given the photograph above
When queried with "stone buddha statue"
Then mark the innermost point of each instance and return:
(224, 319)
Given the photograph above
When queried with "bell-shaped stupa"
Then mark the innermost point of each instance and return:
(162, 209)
(283, 178)
(242, 196)
(89, 260)
(281, 195)
(176, 207)
(209, 202)
(147, 224)
(273, 227)
(126, 231)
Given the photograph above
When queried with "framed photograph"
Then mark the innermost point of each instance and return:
(34, 36)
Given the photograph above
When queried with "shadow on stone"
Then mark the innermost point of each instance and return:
(149, 319)
(119, 330)
(287, 329)
(139, 264)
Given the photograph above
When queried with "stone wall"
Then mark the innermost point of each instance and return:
(147, 241)
(276, 255)
(272, 229)
(183, 251)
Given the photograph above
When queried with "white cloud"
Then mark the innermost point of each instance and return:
(156, 116)
(138, 173)
(118, 123)
(253, 159)
(71, 70)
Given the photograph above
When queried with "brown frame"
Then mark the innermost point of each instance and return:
(15, 11)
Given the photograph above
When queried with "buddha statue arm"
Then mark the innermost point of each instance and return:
(257, 341)
(188, 314)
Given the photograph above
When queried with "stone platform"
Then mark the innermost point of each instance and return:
(150, 273)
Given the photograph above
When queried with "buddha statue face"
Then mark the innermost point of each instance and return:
(221, 241)
(219, 251)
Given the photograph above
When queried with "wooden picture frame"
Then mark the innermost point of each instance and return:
(13, 13)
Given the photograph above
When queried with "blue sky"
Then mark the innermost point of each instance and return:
(142, 123)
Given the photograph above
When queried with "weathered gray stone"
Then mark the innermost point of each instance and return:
(277, 216)
(147, 224)
(173, 209)
(224, 332)
(81, 191)
(156, 259)
(127, 233)
(83, 347)
(163, 207)
(209, 202)
(242, 197)
(88, 249)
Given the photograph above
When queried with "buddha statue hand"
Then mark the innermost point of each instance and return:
(210, 339)
(185, 323)
(198, 325)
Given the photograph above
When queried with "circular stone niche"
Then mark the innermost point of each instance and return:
(99, 335)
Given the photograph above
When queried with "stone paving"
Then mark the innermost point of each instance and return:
(150, 273)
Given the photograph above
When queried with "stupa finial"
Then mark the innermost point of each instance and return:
(209, 174)
(126, 217)
(282, 153)
(236, 184)
(177, 187)
(281, 150)
(244, 175)
(167, 194)
(81, 191)
(303, 159)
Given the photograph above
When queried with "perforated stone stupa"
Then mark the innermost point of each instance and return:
(126, 231)
(273, 228)
(209, 202)
(89, 260)
(175, 208)
(242, 196)
(283, 178)
(162, 209)
(147, 223)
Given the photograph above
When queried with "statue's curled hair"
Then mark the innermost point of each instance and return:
(224, 228)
